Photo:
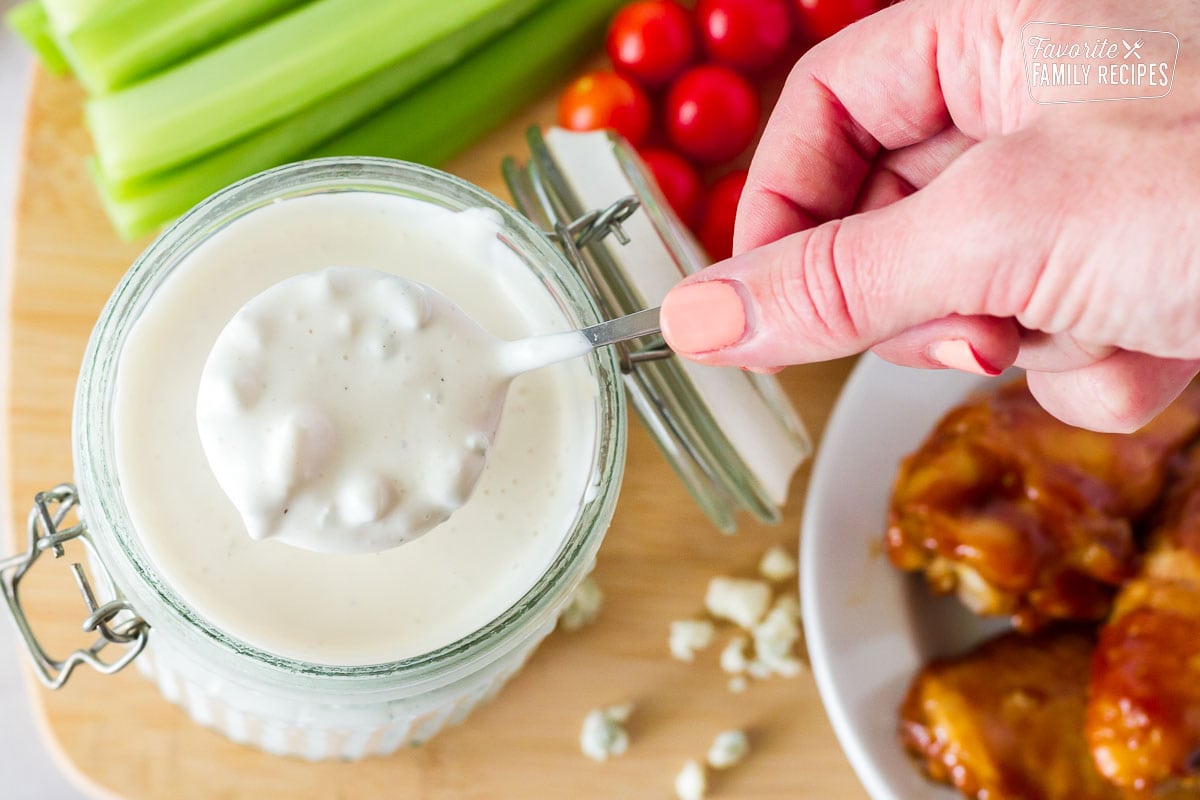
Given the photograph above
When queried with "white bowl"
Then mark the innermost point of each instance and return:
(869, 628)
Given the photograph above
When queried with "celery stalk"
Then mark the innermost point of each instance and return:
(67, 15)
(141, 204)
(274, 71)
(447, 114)
(131, 39)
(29, 21)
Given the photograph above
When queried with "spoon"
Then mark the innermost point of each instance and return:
(350, 410)
(523, 355)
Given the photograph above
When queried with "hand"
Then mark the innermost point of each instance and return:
(908, 196)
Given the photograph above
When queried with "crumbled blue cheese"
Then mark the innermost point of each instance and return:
(789, 603)
(728, 748)
(690, 636)
(774, 642)
(583, 607)
(739, 600)
(758, 669)
(603, 734)
(733, 656)
(692, 782)
(777, 565)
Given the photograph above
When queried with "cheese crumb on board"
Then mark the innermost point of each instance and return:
(583, 607)
(777, 565)
(690, 636)
(733, 656)
(739, 600)
(728, 748)
(691, 783)
(774, 640)
(789, 603)
(603, 734)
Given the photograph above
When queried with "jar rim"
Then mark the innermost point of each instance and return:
(93, 439)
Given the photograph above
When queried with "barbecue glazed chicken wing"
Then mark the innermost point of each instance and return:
(1143, 716)
(1023, 515)
(1005, 722)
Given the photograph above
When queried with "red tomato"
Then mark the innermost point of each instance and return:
(679, 181)
(720, 211)
(606, 100)
(823, 18)
(711, 113)
(651, 41)
(745, 34)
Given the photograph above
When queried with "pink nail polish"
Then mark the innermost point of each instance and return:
(702, 317)
(961, 355)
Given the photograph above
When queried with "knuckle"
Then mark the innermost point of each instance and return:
(808, 283)
(1105, 406)
(1122, 409)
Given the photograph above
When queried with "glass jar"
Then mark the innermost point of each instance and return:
(294, 707)
(317, 711)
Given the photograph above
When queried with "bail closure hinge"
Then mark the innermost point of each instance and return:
(594, 226)
(114, 621)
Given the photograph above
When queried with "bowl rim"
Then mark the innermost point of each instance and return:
(903, 636)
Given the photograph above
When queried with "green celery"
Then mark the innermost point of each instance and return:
(140, 205)
(29, 21)
(67, 15)
(130, 39)
(449, 113)
(274, 71)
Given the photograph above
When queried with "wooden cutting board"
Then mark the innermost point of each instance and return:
(118, 737)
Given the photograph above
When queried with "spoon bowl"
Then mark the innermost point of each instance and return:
(350, 410)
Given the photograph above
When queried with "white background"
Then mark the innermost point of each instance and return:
(26, 769)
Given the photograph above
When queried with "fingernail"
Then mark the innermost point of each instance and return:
(961, 355)
(702, 317)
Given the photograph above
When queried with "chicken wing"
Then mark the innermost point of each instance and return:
(1143, 715)
(1025, 516)
(1005, 722)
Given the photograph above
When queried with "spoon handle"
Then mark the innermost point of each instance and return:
(523, 355)
(641, 323)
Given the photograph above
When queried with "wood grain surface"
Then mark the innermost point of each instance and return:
(118, 737)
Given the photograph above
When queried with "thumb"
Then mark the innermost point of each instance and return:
(969, 243)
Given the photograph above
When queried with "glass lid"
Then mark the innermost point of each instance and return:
(730, 435)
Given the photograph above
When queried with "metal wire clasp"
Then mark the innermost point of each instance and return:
(113, 621)
(572, 237)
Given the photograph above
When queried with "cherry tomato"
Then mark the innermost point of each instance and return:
(720, 211)
(711, 113)
(745, 34)
(651, 41)
(603, 99)
(679, 181)
(823, 18)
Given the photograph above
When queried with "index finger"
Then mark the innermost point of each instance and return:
(892, 80)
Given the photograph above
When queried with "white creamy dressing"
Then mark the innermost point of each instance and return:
(350, 410)
(350, 608)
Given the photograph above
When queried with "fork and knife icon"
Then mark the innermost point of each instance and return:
(1132, 49)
